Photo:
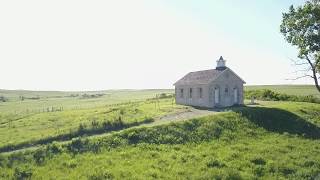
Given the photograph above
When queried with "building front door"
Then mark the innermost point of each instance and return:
(235, 96)
(216, 96)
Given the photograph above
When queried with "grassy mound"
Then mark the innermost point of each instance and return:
(282, 141)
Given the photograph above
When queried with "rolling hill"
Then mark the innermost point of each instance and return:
(129, 139)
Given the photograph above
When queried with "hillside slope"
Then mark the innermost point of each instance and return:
(276, 140)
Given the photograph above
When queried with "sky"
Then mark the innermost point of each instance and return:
(141, 44)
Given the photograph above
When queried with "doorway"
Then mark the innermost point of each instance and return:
(235, 96)
(216, 96)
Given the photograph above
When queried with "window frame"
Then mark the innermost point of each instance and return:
(226, 90)
(181, 93)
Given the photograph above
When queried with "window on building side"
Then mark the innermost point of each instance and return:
(181, 93)
(190, 93)
(200, 92)
(226, 90)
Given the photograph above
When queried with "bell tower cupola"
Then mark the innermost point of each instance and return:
(221, 64)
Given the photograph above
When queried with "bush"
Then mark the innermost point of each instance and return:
(165, 95)
(258, 161)
(94, 123)
(88, 96)
(3, 99)
(3, 161)
(101, 174)
(232, 174)
(18, 157)
(39, 156)
(81, 129)
(22, 173)
(54, 148)
(71, 164)
(161, 96)
(78, 145)
(213, 163)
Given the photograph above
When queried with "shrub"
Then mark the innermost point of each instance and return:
(22, 173)
(39, 156)
(81, 129)
(165, 95)
(3, 161)
(88, 96)
(232, 174)
(106, 124)
(101, 174)
(54, 148)
(70, 164)
(78, 145)
(286, 171)
(214, 163)
(94, 123)
(258, 161)
(18, 157)
(259, 171)
(217, 131)
(3, 99)
(122, 111)
(161, 96)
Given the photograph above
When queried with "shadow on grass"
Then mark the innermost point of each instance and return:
(279, 121)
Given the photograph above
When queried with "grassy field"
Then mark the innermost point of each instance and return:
(301, 90)
(39, 101)
(44, 115)
(103, 135)
(238, 144)
(33, 128)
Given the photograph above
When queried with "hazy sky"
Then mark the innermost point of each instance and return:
(93, 45)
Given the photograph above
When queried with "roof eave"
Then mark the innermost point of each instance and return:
(176, 84)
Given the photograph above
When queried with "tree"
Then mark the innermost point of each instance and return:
(301, 28)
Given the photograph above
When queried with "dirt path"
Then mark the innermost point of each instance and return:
(185, 114)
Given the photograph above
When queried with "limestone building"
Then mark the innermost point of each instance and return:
(219, 87)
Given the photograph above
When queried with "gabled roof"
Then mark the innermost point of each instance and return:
(203, 77)
(199, 77)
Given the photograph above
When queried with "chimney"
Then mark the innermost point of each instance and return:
(221, 64)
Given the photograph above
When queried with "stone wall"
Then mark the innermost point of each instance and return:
(195, 99)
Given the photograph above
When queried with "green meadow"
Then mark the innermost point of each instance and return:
(61, 135)
(39, 101)
(95, 115)
(300, 90)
